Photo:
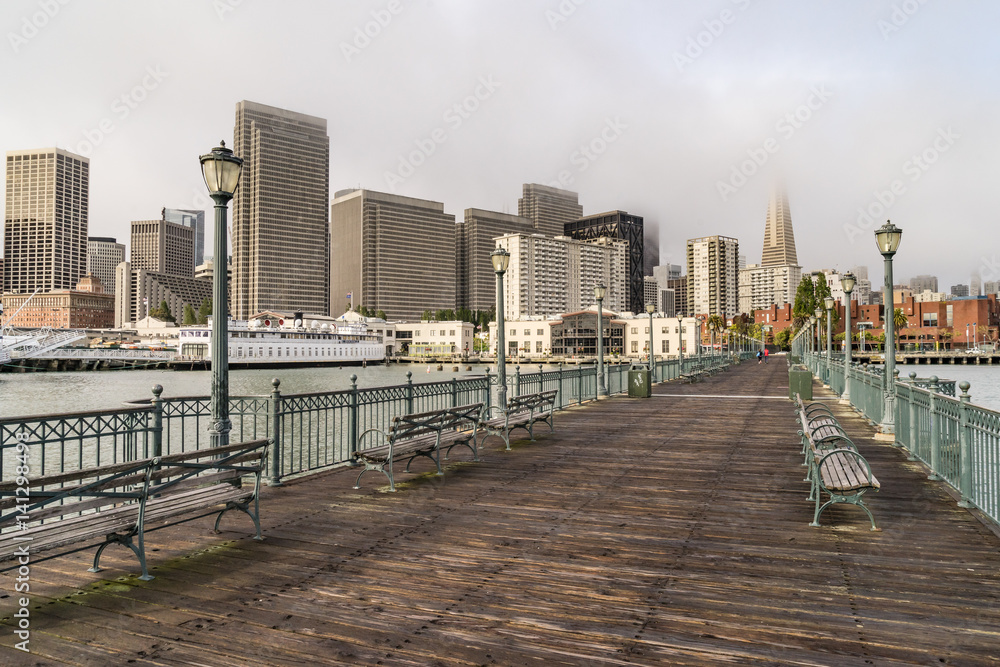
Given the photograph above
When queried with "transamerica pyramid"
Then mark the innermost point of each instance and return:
(779, 242)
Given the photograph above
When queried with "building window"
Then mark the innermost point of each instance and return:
(646, 331)
(635, 330)
(541, 332)
(665, 347)
(538, 346)
(513, 332)
(527, 332)
(451, 332)
(635, 346)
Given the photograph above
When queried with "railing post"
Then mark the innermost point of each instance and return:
(157, 427)
(489, 392)
(562, 399)
(409, 392)
(596, 382)
(914, 430)
(454, 392)
(275, 452)
(353, 423)
(517, 380)
(935, 461)
(541, 380)
(965, 448)
(579, 385)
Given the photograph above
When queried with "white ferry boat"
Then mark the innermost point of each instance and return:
(281, 341)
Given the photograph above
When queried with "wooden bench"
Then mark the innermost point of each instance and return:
(521, 412)
(835, 465)
(424, 434)
(72, 511)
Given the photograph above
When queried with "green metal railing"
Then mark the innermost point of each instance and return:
(310, 431)
(957, 441)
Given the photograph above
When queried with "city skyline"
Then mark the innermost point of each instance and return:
(849, 104)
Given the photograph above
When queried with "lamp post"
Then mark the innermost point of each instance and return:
(649, 309)
(888, 236)
(221, 170)
(828, 302)
(599, 292)
(847, 282)
(680, 345)
(818, 314)
(501, 260)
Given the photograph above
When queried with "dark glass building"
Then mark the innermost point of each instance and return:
(617, 225)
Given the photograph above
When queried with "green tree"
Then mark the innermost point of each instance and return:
(783, 338)
(805, 302)
(381, 314)
(715, 324)
(190, 317)
(162, 312)
(205, 311)
(427, 316)
(899, 322)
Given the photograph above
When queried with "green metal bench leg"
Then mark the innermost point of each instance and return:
(245, 508)
(126, 541)
(380, 468)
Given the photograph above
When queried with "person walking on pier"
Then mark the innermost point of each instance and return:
(765, 355)
(760, 357)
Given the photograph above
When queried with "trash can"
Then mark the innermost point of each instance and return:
(800, 381)
(639, 385)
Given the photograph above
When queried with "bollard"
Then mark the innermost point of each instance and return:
(353, 423)
(157, 426)
(275, 452)
(409, 391)
(965, 448)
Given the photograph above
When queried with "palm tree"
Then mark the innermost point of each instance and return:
(899, 322)
(715, 323)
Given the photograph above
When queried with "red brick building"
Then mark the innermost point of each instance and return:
(942, 324)
(86, 307)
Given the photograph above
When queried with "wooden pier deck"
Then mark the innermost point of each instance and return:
(666, 531)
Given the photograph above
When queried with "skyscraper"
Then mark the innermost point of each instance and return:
(391, 253)
(618, 225)
(712, 263)
(163, 247)
(923, 282)
(103, 255)
(281, 235)
(196, 221)
(779, 242)
(474, 242)
(45, 226)
(549, 208)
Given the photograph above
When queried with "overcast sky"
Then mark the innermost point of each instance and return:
(685, 113)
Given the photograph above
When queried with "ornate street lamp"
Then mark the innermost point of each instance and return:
(652, 369)
(888, 236)
(599, 291)
(221, 170)
(501, 260)
(847, 282)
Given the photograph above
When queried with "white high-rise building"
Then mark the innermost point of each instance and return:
(712, 275)
(103, 255)
(45, 221)
(763, 286)
(552, 276)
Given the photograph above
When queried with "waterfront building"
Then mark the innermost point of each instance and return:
(87, 306)
(45, 220)
(474, 241)
(159, 246)
(391, 253)
(549, 276)
(281, 231)
(103, 255)
(548, 208)
(574, 334)
(196, 221)
(384, 331)
(618, 225)
(431, 338)
(712, 276)
(138, 291)
(923, 282)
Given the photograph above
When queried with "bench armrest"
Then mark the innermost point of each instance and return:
(361, 438)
